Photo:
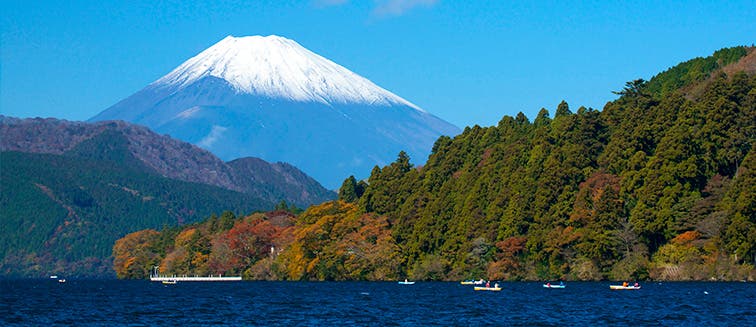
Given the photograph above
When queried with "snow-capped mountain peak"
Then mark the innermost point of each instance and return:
(271, 98)
(278, 67)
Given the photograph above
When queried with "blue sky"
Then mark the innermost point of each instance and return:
(468, 62)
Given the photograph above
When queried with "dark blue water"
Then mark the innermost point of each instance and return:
(140, 303)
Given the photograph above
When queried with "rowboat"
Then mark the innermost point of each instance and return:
(406, 282)
(169, 281)
(622, 287)
(483, 288)
(547, 285)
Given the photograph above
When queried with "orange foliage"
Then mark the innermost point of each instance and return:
(333, 240)
(511, 246)
(131, 254)
(686, 238)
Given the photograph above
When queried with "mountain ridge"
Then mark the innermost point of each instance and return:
(164, 155)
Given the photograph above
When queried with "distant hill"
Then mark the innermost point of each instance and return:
(162, 155)
(70, 189)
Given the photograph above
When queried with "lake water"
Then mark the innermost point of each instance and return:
(140, 303)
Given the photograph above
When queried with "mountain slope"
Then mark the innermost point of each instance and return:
(271, 98)
(160, 154)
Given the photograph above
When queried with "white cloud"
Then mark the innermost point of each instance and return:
(384, 8)
(212, 137)
(188, 113)
(329, 3)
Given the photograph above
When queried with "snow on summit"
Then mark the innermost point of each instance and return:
(277, 67)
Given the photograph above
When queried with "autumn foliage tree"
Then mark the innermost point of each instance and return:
(134, 254)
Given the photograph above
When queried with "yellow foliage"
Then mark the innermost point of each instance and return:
(312, 264)
(183, 238)
(199, 259)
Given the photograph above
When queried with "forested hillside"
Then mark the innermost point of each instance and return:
(62, 213)
(660, 184)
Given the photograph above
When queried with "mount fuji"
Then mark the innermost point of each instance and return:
(269, 97)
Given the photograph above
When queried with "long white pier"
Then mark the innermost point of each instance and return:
(195, 278)
(156, 277)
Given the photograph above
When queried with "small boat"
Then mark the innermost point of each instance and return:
(61, 280)
(467, 282)
(169, 281)
(406, 282)
(549, 285)
(624, 287)
(488, 287)
(53, 276)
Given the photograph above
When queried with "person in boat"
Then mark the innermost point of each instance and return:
(496, 285)
(561, 283)
(488, 284)
(548, 284)
(624, 284)
(636, 284)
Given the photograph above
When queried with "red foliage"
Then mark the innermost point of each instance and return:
(511, 246)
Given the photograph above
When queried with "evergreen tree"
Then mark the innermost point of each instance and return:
(348, 190)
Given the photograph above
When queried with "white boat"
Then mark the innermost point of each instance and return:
(53, 276)
(61, 280)
(472, 282)
(623, 287)
(549, 285)
(406, 282)
(169, 282)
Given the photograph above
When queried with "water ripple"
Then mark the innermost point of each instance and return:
(141, 303)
